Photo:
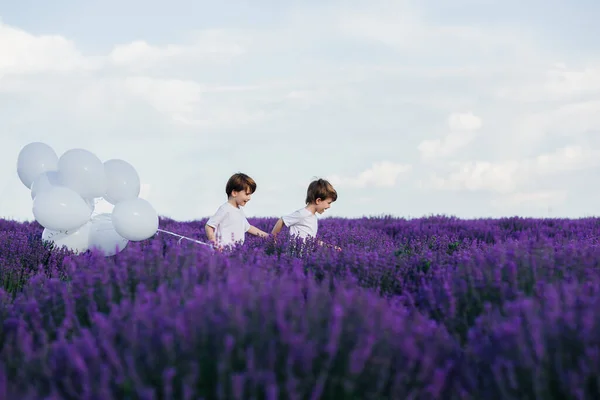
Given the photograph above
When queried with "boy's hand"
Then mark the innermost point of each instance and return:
(255, 231)
(215, 245)
(218, 248)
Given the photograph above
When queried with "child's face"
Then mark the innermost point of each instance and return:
(323, 205)
(241, 198)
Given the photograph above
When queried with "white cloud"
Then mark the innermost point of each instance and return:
(406, 28)
(30, 57)
(562, 81)
(570, 158)
(571, 119)
(480, 175)
(511, 176)
(433, 148)
(402, 31)
(305, 98)
(140, 54)
(381, 174)
(24, 53)
(557, 82)
(463, 127)
(541, 200)
(174, 98)
(212, 45)
(464, 122)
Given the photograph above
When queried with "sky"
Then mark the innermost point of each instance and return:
(410, 108)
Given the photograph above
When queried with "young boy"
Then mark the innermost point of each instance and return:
(303, 222)
(229, 224)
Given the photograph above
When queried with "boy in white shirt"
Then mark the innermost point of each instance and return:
(229, 224)
(303, 222)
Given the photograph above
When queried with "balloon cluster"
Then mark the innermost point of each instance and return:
(65, 191)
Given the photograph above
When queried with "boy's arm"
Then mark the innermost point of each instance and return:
(212, 223)
(277, 228)
(210, 233)
(255, 231)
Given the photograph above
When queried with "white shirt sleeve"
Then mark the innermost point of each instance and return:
(291, 219)
(246, 225)
(216, 219)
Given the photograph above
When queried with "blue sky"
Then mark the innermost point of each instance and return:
(469, 108)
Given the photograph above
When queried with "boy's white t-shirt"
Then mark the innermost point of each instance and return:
(302, 223)
(230, 224)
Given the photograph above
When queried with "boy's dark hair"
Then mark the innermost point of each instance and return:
(320, 189)
(240, 182)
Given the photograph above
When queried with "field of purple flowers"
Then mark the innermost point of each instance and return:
(433, 308)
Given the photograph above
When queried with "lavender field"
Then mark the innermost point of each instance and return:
(433, 308)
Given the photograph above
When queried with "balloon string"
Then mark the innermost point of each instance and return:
(184, 237)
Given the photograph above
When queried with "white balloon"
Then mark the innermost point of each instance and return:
(104, 237)
(60, 209)
(83, 172)
(44, 181)
(135, 219)
(122, 181)
(34, 159)
(75, 240)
